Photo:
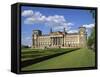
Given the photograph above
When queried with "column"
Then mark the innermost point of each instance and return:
(57, 40)
(51, 41)
(54, 40)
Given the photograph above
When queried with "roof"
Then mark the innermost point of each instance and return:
(45, 35)
(57, 33)
(37, 30)
(72, 33)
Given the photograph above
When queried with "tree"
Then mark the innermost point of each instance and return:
(93, 13)
(24, 46)
(91, 39)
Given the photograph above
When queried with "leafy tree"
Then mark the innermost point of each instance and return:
(93, 13)
(24, 46)
(91, 39)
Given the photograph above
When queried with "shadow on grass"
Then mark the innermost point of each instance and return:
(37, 60)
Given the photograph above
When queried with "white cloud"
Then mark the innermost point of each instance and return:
(73, 31)
(27, 13)
(56, 21)
(89, 26)
(36, 17)
(70, 24)
(56, 18)
(67, 27)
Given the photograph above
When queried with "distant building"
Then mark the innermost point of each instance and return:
(59, 39)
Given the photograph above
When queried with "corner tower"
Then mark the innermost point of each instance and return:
(35, 35)
(82, 37)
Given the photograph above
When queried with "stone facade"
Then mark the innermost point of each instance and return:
(59, 39)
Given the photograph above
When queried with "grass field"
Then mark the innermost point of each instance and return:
(28, 53)
(78, 58)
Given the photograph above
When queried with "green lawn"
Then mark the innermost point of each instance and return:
(79, 58)
(28, 53)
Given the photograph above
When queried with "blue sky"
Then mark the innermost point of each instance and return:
(45, 18)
